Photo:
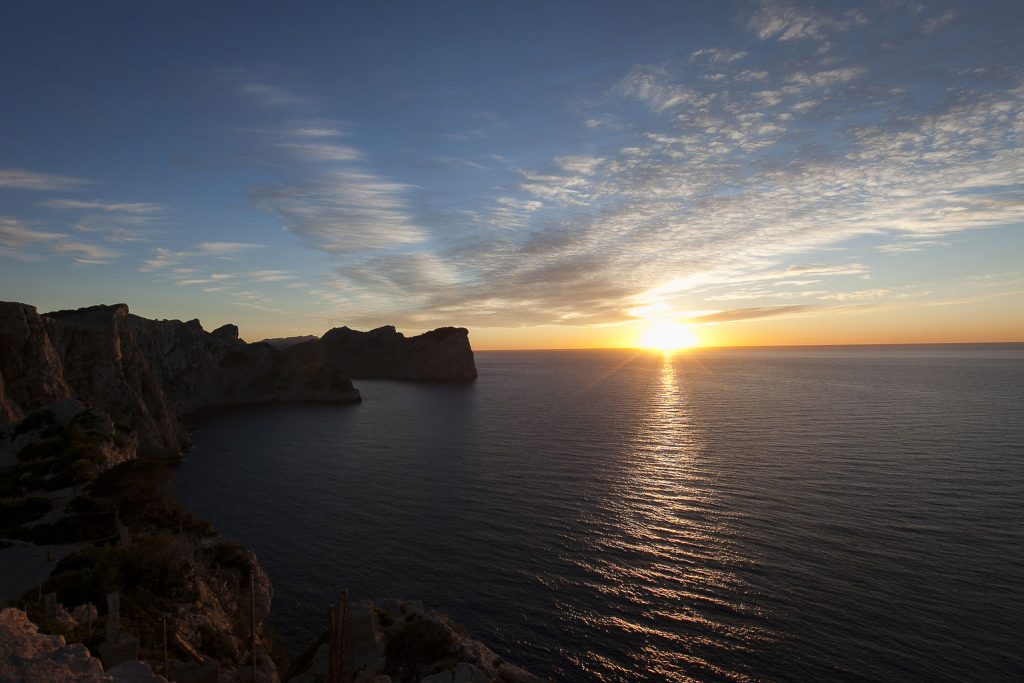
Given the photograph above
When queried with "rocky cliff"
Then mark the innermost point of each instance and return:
(441, 354)
(146, 374)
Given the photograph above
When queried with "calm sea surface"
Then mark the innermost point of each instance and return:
(773, 514)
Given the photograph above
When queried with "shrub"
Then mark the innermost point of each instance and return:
(232, 556)
(415, 645)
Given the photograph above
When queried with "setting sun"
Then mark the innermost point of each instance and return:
(668, 336)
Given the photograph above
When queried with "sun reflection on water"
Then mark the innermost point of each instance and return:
(670, 549)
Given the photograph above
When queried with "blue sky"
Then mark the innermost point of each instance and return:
(531, 170)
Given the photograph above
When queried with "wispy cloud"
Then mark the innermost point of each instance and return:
(20, 179)
(335, 204)
(225, 248)
(717, 56)
(933, 24)
(750, 313)
(731, 188)
(321, 151)
(313, 130)
(269, 275)
(143, 208)
(821, 79)
(767, 173)
(23, 243)
(784, 21)
(269, 95)
(186, 262)
(343, 211)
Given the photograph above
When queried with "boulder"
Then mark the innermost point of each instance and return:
(27, 655)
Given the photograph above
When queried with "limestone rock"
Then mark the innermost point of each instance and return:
(27, 655)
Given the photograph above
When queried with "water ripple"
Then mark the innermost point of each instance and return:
(813, 514)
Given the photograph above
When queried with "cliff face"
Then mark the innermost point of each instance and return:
(146, 374)
(31, 374)
(384, 353)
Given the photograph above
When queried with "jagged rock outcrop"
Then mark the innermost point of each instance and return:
(384, 353)
(27, 655)
(146, 374)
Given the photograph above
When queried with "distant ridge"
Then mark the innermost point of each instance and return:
(285, 342)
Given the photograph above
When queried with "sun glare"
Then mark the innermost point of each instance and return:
(668, 336)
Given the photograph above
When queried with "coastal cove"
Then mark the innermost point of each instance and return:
(93, 405)
(611, 515)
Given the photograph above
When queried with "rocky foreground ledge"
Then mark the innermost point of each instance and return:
(125, 584)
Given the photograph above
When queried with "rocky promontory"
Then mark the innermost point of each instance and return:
(385, 353)
(146, 374)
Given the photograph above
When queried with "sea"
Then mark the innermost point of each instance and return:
(769, 514)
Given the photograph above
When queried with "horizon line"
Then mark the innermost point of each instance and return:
(755, 346)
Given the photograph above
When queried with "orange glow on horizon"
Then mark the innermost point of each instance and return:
(967, 323)
(668, 336)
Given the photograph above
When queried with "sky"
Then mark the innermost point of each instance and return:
(547, 174)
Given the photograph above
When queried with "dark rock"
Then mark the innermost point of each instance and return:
(31, 373)
(384, 353)
(226, 333)
(197, 672)
(134, 671)
(285, 342)
(146, 374)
